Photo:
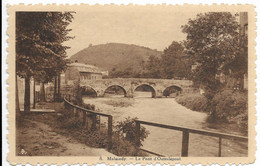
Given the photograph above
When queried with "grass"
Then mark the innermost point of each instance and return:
(194, 101)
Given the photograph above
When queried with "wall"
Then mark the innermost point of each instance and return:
(71, 74)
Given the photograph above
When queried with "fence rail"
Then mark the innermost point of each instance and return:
(185, 135)
(67, 102)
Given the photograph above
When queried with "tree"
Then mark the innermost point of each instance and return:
(39, 50)
(174, 62)
(153, 67)
(212, 42)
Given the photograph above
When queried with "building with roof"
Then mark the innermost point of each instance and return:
(79, 71)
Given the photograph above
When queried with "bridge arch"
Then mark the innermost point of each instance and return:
(88, 91)
(173, 89)
(145, 87)
(116, 90)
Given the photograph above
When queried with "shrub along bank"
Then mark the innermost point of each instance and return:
(231, 106)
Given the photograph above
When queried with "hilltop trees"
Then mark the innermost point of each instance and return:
(173, 63)
(39, 50)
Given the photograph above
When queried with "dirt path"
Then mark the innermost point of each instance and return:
(38, 139)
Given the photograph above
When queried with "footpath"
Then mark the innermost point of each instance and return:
(35, 137)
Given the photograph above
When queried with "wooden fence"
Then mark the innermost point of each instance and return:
(86, 113)
(185, 135)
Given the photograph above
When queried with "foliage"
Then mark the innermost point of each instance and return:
(126, 129)
(96, 138)
(212, 40)
(230, 104)
(68, 121)
(122, 147)
(174, 62)
(193, 101)
(217, 46)
(39, 50)
(153, 67)
(39, 37)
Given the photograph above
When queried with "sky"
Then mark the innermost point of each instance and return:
(155, 28)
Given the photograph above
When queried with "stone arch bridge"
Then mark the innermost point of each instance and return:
(129, 85)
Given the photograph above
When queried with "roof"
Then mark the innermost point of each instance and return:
(81, 67)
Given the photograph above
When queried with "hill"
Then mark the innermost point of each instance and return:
(117, 56)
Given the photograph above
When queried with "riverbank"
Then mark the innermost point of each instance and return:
(231, 109)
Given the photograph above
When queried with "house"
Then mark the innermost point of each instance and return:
(80, 71)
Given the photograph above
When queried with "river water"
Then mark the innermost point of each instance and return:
(167, 111)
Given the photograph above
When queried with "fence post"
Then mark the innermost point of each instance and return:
(75, 111)
(87, 120)
(99, 122)
(185, 143)
(109, 132)
(94, 122)
(137, 133)
(84, 118)
(219, 147)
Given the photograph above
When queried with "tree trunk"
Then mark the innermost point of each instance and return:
(42, 92)
(17, 105)
(55, 89)
(59, 95)
(34, 97)
(27, 95)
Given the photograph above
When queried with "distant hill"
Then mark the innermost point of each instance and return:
(115, 55)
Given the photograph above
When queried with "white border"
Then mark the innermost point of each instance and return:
(5, 146)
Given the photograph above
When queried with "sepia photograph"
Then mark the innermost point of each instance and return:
(132, 83)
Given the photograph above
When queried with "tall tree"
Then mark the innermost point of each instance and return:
(212, 41)
(174, 62)
(39, 49)
(153, 67)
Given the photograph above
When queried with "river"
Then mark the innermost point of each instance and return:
(167, 111)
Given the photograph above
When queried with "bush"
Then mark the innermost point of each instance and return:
(193, 101)
(122, 147)
(126, 130)
(232, 106)
(67, 120)
(96, 139)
